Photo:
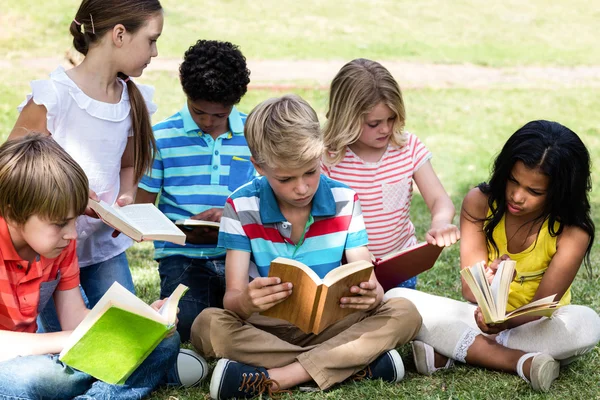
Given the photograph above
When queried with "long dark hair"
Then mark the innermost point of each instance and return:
(558, 153)
(93, 20)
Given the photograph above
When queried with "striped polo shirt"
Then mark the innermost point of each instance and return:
(253, 222)
(385, 192)
(193, 173)
(20, 282)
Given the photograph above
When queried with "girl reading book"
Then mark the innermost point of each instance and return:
(368, 149)
(534, 210)
(101, 117)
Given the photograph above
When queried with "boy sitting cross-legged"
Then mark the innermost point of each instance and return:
(293, 211)
(42, 191)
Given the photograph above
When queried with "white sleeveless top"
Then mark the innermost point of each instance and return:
(95, 134)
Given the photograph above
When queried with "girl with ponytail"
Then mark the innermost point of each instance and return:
(101, 117)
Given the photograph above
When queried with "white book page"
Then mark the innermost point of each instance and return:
(479, 275)
(495, 286)
(149, 220)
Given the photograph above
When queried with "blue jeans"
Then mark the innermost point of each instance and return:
(206, 280)
(409, 283)
(95, 281)
(45, 377)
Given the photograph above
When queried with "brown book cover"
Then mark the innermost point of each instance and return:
(314, 302)
(394, 268)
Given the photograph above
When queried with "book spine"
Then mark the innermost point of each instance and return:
(317, 308)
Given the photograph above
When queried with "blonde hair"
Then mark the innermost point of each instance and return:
(37, 177)
(357, 88)
(284, 131)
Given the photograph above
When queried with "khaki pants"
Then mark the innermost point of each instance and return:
(330, 357)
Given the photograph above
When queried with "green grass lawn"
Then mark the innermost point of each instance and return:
(476, 31)
(463, 128)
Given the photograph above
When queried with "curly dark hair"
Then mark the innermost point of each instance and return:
(214, 71)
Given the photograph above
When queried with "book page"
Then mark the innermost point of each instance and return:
(479, 275)
(197, 222)
(149, 220)
(169, 308)
(467, 274)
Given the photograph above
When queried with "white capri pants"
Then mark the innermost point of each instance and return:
(449, 327)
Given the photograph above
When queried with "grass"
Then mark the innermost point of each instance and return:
(463, 128)
(463, 31)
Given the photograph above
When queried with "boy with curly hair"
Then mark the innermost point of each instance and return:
(202, 157)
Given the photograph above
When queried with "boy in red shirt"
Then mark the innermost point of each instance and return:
(42, 191)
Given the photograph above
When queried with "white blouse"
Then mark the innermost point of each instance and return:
(95, 134)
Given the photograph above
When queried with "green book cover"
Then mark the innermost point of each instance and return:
(117, 343)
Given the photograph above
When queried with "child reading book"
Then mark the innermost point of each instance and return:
(42, 191)
(534, 210)
(295, 212)
(201, 158)
(368, 149)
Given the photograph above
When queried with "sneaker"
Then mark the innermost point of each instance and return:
(191, 368)
(544, 370)
(424, 357)
(388, 366)
(231, 379)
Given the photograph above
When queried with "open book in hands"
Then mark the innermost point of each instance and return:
(315, 303)
(119, 333)
(139, 221)
(492, 299)
(399, 266)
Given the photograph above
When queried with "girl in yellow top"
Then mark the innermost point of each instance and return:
(534, 210)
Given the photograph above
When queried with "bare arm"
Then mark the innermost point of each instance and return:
(473, 243)
(31, 119)
(442, 232)
(245, 298)
(143, 196)
(70, 308)
(128, 185)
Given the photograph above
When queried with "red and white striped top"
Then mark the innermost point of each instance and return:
(385, 191)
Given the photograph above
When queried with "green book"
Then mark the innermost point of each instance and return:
(118, 334)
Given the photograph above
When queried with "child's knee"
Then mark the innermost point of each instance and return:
(405, 315)
(209, 331)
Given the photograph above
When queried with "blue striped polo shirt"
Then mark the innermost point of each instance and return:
(193, 173)
(253, 222)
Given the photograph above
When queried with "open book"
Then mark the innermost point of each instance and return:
(139, 221)
(315, 303)
(191, 223)
(398, 266)
(492, 299)
(118, 334)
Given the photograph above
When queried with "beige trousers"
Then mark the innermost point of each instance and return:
(330, 357)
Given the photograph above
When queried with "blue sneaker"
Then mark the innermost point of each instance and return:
(231, 379)
(388, 366)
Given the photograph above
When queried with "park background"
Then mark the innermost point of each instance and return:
(471, 71)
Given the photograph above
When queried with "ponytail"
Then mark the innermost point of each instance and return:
(144, 144)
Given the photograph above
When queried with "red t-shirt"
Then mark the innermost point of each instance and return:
(20, 282)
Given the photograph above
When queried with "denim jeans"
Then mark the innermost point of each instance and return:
(95, 281)
(45, 377)
(206, 280)
(409, 283)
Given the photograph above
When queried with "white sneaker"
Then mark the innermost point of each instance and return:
(424, 357)
(191, 368)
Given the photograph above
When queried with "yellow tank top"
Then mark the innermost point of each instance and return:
(532, 263)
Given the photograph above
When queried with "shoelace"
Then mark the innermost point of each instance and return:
(257, 383)
(364, 373)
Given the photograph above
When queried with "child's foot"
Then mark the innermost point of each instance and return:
(191, 368)
(388, 366)
(543, 371)
(232, 379)
(426, 358)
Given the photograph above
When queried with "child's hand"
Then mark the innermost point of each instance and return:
(201, 234)
(485, 328)
(123, 200)
(263, 293)
(88, 210)
(369, 296)
(490, 270)
(157, 305)
(442, 235)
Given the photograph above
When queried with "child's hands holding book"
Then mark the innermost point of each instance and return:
(442, 234)
(490, 270)
(203, 234)
(157, 305)
(490, 329)
(263, 293)
(369, 293)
